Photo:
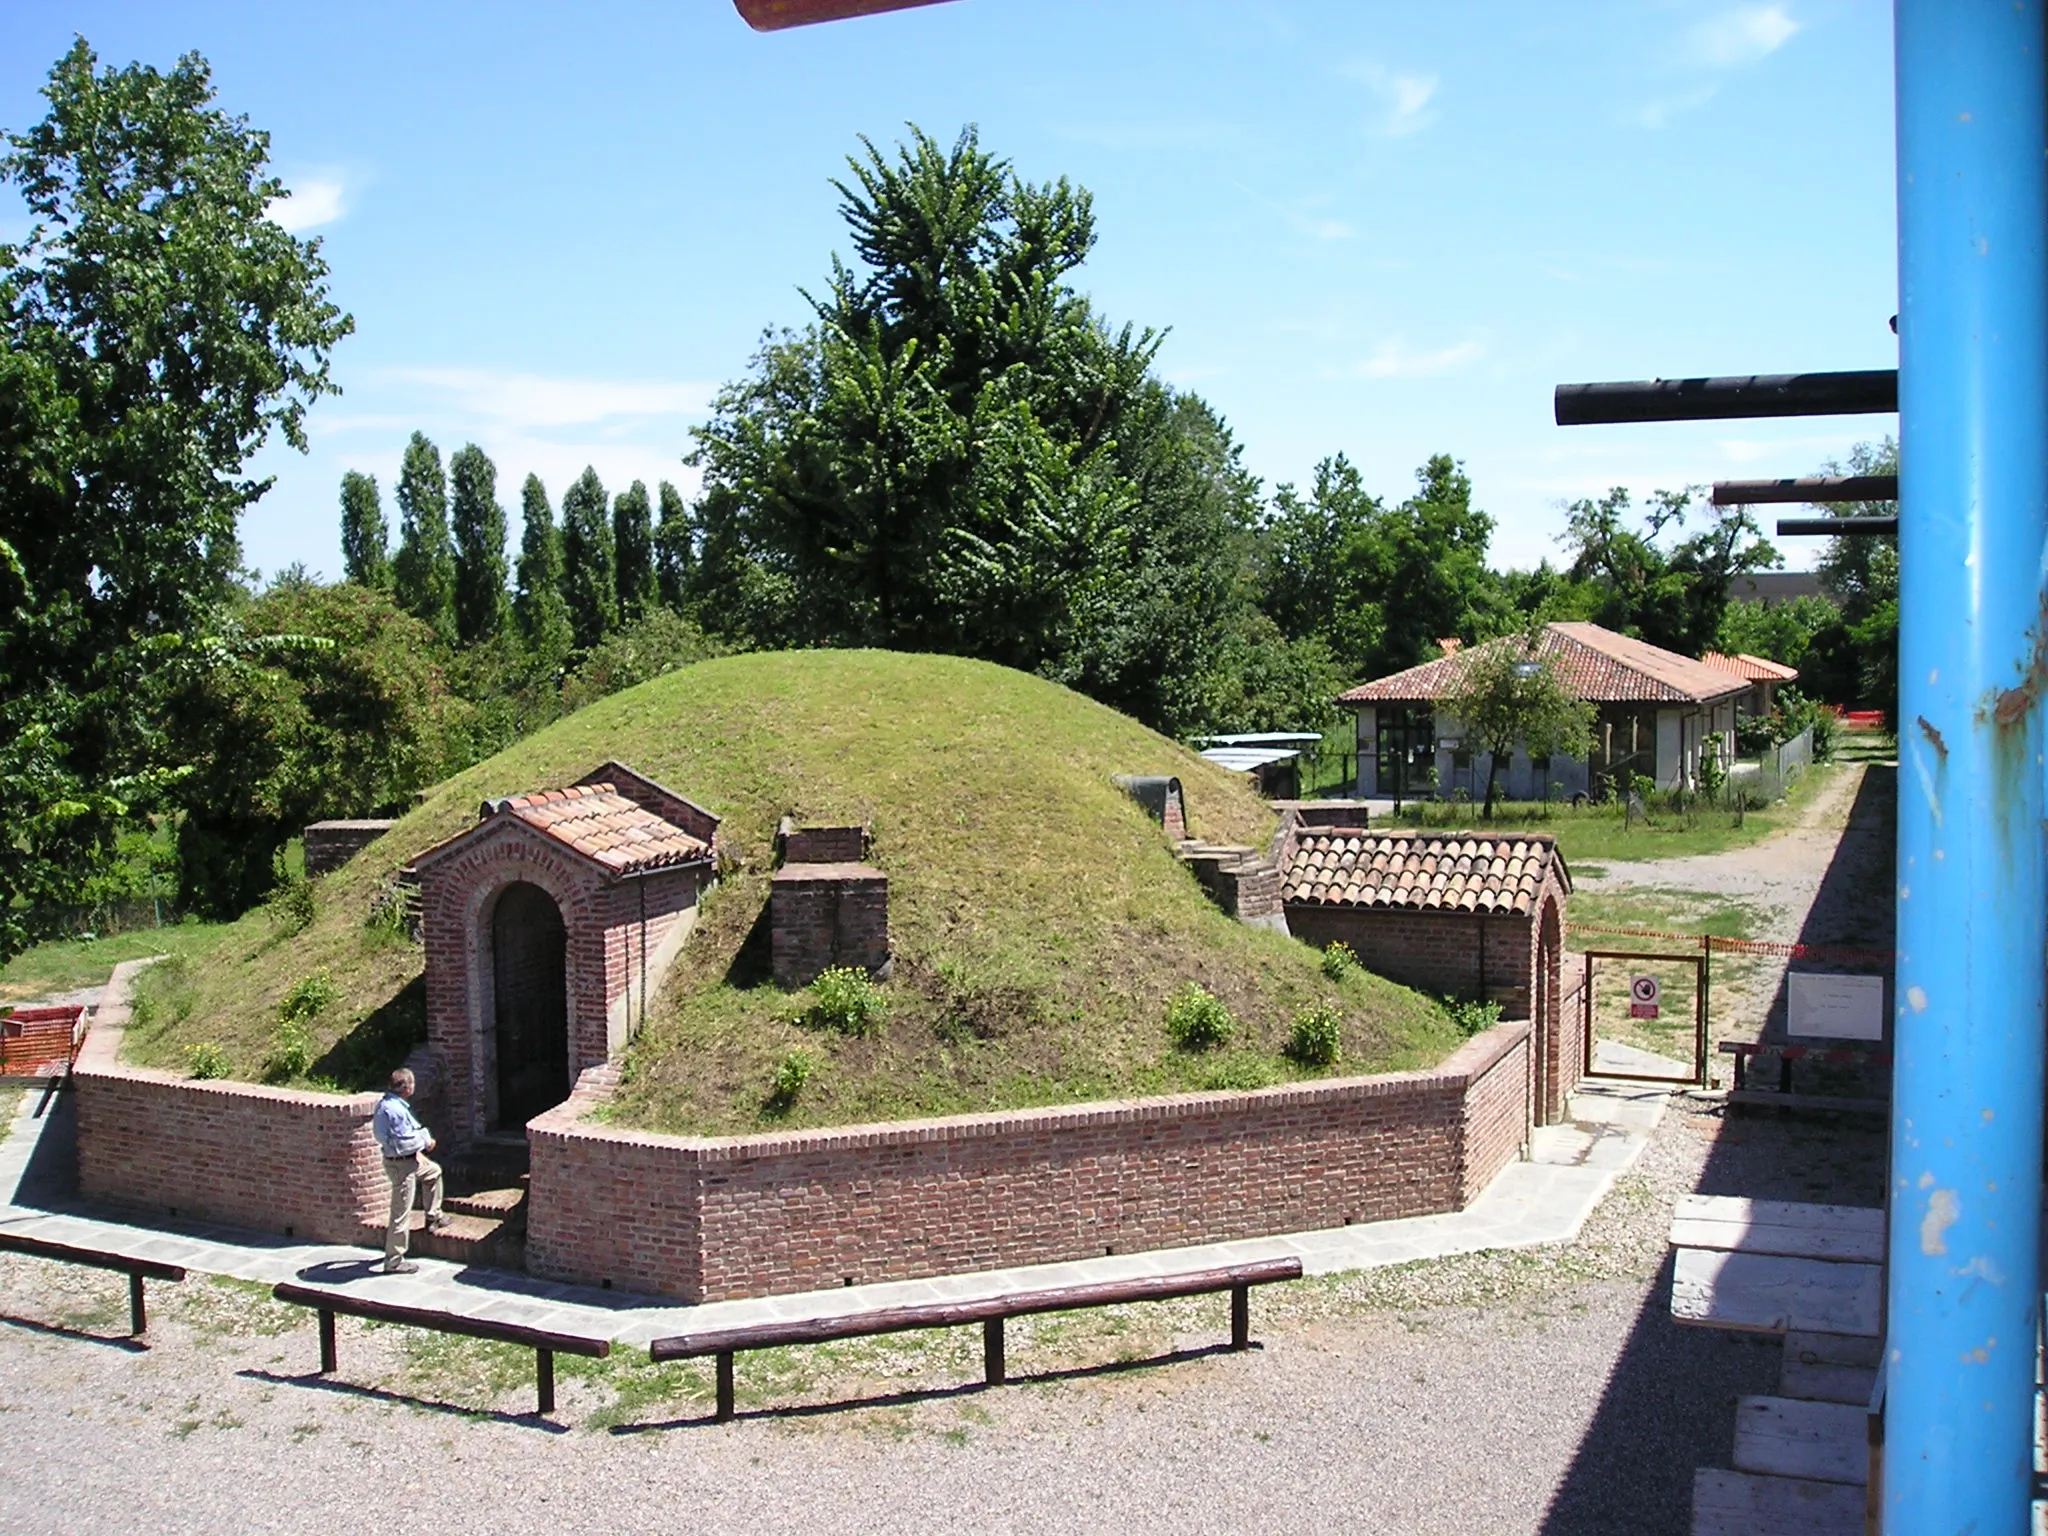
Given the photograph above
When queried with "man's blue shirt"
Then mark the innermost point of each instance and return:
(397, 1131)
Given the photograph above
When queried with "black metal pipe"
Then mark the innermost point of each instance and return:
(1827, 527)
(1807, 490)
(1727, 399)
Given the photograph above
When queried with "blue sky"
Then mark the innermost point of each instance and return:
(1377, 228)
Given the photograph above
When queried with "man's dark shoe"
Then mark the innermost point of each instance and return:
(402, 1267)
(439, 1223)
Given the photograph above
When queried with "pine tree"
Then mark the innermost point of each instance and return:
(537, 608)
(479, 546)
(673, 547)
(423, 574)
(589, 564)
(365, 536)
(633, 548)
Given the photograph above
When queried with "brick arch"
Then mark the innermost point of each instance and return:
(1555, 1072)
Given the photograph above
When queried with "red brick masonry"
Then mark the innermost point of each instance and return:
(711, 1219)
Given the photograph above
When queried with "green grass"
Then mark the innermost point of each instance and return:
(1600, 832)
(67, 965)
(1038, 917)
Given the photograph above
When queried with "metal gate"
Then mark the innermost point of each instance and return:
(1695, 965)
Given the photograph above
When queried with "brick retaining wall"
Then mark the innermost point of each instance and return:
(710, 1219)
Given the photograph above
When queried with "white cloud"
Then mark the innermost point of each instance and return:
(1404, 99)
(1660, 112)
(528, 401)
(1393, 360)
(314, 201)
(1740, 36)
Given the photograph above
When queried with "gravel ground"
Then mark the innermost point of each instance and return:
(1541, 1390)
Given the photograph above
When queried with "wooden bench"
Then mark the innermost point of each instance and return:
(544, 1344)
(1774, 1266)
(1787, 1053)
(991, 1312)
(137, 1270)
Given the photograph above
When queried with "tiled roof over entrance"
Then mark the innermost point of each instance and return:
(1421, 871)
(1593, 664)
(598, 822)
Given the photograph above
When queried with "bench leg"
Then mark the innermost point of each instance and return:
(1784, 1074)
(1240, 1317)
(544, 1380)
(992, 1363)
(725, 1386)
(138, 1308)
(327, 1363)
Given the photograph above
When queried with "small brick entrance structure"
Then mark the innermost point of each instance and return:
(826, 907)
(548, 925)
(1457, 914)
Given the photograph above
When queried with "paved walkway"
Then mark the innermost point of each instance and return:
(1544, 1200)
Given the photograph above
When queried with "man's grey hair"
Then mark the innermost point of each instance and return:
(402, 1080)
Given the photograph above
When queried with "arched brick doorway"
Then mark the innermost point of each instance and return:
(531, 1000)
(1548, 1015)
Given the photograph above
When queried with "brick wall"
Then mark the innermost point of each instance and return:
(824, 915)
(331, 844)
(825, 845)
(762, 1215)
(1437, 952)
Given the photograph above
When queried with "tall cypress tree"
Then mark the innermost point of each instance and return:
(589, 564)
(479, 546)
(423, 574)
(538, 608)
(674, 547)
(365, 536)
(633, 547)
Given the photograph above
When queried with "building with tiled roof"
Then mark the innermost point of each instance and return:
(1422, 871)
(549, 924)
(1763, 675)
(1656, 712)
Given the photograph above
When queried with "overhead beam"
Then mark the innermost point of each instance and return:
(1836, 527)
(1728, 399)
(774, 15)
(1807, 490)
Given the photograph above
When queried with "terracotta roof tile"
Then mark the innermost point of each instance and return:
(1594, 664)
(1756, 669)
(1425, 871)
(598, 822)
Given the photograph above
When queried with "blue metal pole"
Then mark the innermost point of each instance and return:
(1964, 1286)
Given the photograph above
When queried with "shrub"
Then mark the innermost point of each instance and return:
(1339, 960)
(1317, 1037)
(791, 1074)
(291, 905)
(1240, 1073)
(846, 999)
(1196, 1019)
(387, 921)
(1472, 1018)
(291, 1053)
(207, 1060)
(309, 997)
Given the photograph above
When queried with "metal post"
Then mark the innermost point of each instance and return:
(138, 1309)
(1240, 1317)
(1963, 1282)
(327, 1365)
(993, 1366)
(544, 1380)
(725, 1393)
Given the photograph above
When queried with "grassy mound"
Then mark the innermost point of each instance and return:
(1040, 922)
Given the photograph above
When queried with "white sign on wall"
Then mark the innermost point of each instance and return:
(1834, 1007)
(1645, 996)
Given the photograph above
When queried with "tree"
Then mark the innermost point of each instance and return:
(365, 536)
(589, 565)
(1673, 598)
(1775, 631)
(1509, 692)
(479, 546)
(633, 548)
(156, 326)
(674, 548)
(423, 574)
(537, 606)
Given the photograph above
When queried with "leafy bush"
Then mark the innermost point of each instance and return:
(791, 1074)
(1713, 773)
(1339, 960)
(1196, 1019)
(309, 997)
(290, 904)
(291, 1053)
(207, 1060)
(846, 999)
(1317, 1037)
(1240, 1072)
(1472, 1018)
(387, 922)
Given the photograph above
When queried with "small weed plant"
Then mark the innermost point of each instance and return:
(1472, 1018)
(387, 922)
(290, 904)
(1196, 1019)
(1317, 1038)
(791, 1074)
(1339, 960)
(207, 1060)
(846, 999)
(309, 997)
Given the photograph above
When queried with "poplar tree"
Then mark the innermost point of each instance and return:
(423, 574)
(589, 562)
(672, 547)
(365, 536)
(537, 607)
(479, 546)
(633, 547)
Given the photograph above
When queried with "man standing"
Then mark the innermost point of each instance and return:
(405, 1144)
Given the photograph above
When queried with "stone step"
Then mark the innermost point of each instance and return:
(464, 1240)
(491, 1204)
